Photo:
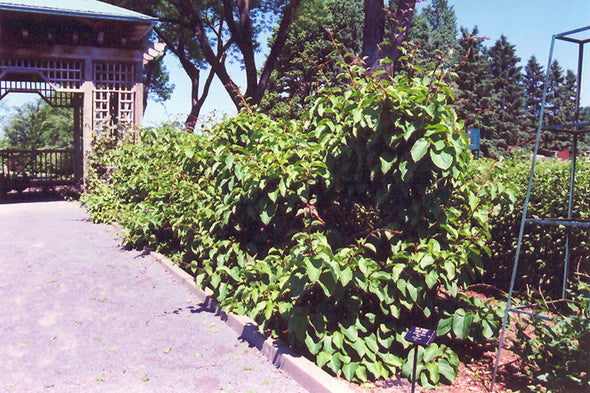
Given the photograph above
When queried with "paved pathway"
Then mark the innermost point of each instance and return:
(78, 314)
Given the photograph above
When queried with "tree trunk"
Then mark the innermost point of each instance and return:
(275, 51)
(403, 22)
(373, 32)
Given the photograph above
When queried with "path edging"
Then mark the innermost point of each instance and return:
(304, 372)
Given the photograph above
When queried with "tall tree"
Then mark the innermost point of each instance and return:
(509, 97)
(567, 100)
(434, 29)
(310, 52)
(554, 93)
(553, 110)
(376, 44)
(474, 95)
(38, 125)
(533, 80)
(202, 34)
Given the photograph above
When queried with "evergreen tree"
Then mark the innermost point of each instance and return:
(567, 99)
(533, 80)
(310, 54)
(434, 29)
(553, 111)
(473, 84)
(508, 129)
(554, 91)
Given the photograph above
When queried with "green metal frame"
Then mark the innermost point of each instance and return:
(575, 129)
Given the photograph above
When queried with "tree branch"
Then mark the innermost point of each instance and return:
(242, 34)
(288, 14)
(210, 56)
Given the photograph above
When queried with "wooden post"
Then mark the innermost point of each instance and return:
(78, 101)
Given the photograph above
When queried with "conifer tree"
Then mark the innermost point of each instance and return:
(533, 80)
(567, 100)
(434, 29)
(553, 111)
(474, 100)
(508, 129)
(310, 53)
(554, 91)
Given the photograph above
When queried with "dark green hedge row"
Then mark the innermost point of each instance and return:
(541, 263)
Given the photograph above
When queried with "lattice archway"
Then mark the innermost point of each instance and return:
(85, 55)
(54, 80)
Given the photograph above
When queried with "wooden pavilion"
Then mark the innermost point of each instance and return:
(80, 54)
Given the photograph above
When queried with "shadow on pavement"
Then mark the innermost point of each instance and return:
(39, 195)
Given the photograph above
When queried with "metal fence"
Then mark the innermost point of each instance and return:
(47, 168)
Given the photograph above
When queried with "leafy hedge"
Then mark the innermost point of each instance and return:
(336, 232)
(555, 353)
(542, 256)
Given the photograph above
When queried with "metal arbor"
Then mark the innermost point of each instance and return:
(574, 130)
(83, 54)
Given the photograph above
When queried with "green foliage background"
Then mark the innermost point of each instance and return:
(37, 125)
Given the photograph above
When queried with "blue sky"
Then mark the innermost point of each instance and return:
(528, 24)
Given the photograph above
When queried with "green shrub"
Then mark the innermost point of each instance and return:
(336, 232)
(541, 262)
(557, 353)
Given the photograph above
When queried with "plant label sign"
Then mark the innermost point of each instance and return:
(474, 138)
(418, 335)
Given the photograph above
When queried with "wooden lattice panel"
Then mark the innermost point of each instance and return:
(53, 79)
(114, 97)
(114, 76)
(62, 74)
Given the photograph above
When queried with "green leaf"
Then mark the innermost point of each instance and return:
(444, 326)
(338, 339)
(371, 342)
(314, 347)
(431, 352)
(489, 328)
(462, 323)
(189, 152)
(397, 270)
(419, 149)
(349, 370)
(412, 291)
(268, 212)
(446, 370)
(361, 373)
(360, 347)
(433, 370)
(387, 161)
(350, 332)
(323, 358)
(431, 279)
(297, 284)
(273, 195)
(314, 268)
(335, 363)
(442, 159)
(346, 276)
(282, 187)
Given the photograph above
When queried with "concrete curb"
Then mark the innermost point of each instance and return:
(304, 372)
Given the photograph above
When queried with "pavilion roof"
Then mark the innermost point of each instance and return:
(76, 8)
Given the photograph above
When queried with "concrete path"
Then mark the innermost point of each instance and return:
(78, 314)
